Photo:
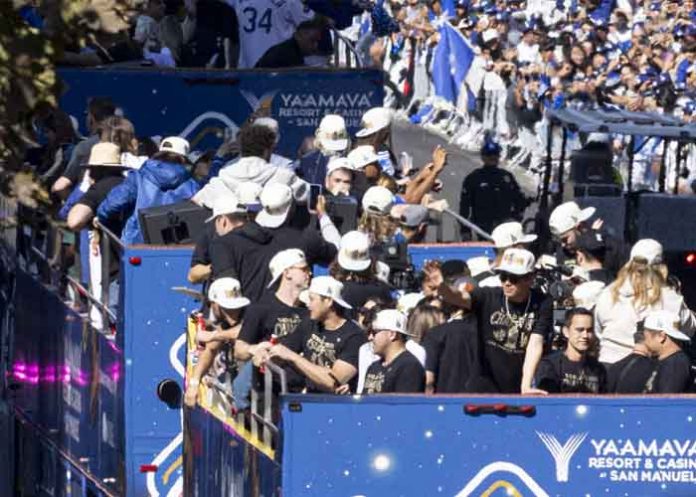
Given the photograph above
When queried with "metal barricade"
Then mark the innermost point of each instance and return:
(107, 241)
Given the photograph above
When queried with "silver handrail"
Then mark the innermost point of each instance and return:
(469, 224)
(106, 238)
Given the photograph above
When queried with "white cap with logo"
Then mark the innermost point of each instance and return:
(276, 199)
(516, 261)
(354, 251)
(666, 322)
(332, 133)
(175, 145)
(508, 234)
(390, 320)
(285, 259)
(362, 156)
(326, 286)
(568, 216)
(338, 163)
(227, 293)
(378, 200)
(374, 120)
(224, 205)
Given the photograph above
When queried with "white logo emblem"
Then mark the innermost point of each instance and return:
(562, 453)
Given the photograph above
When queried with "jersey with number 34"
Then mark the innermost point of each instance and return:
(264, 24)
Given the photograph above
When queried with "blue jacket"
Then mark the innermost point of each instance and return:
(156, 183)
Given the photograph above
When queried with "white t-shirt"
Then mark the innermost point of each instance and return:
(366, 357)
(264, 24)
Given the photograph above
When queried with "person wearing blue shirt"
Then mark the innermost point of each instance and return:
(164, 179)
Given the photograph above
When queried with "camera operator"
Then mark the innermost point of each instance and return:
(568, 221)
(573, 370)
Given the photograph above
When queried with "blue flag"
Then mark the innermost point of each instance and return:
(448, 8)
(451, 63)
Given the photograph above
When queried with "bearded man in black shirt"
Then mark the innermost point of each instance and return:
(397, 371)
(573, 370)
(324, 347)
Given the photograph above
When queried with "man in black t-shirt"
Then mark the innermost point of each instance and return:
(397, 371)
(452, 359)
(226, 304)
(513, 323)
(228, 215)
(573, 370)
(324, 347)
(673, 373)
(278, 314)
(631, 374)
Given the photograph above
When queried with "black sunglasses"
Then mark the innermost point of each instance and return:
(512, 278)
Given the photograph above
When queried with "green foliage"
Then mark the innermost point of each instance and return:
(28, 59)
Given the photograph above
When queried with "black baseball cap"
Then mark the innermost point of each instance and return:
(591, 242)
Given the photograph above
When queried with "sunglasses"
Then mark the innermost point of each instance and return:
(512, 278)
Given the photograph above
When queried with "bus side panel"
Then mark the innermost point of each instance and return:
(222, 463)
(416, 446)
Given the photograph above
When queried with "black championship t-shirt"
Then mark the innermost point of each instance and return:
(558, 374)
(269, 317)
(452, 355)
(673, 375)
(505, 330)
(404, 374)
(356, 294)
(630, 374)
(325, 347)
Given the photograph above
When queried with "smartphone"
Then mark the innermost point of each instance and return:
(314, 192)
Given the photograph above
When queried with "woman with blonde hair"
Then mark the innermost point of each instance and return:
(640, 288)
(375, 221)
(423, 318)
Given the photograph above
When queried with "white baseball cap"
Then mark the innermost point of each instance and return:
(283, 260)
(489, 34)
(354, 251)
(338, 163)
(378, 200)
(227, 293)
(332, 133)
(227, 204)
(362, 156)
(478, 265)
(665, 321)
(248, 193)
(516, 261)
(409, 301)
(508, 234)
(374, 120)
(382, 272)
(648, 249)
(326, 286)
(390, 320)
(568, 216)
(175, 145)
(276, 199)
(586, 294)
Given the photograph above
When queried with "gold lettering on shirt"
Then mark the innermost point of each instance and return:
(320, 352)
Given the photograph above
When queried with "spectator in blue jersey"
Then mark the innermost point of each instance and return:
(331, 140)
(163, 179)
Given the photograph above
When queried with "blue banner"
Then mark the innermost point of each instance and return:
(205, 106)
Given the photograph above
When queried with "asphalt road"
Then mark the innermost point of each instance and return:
(420, 144)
